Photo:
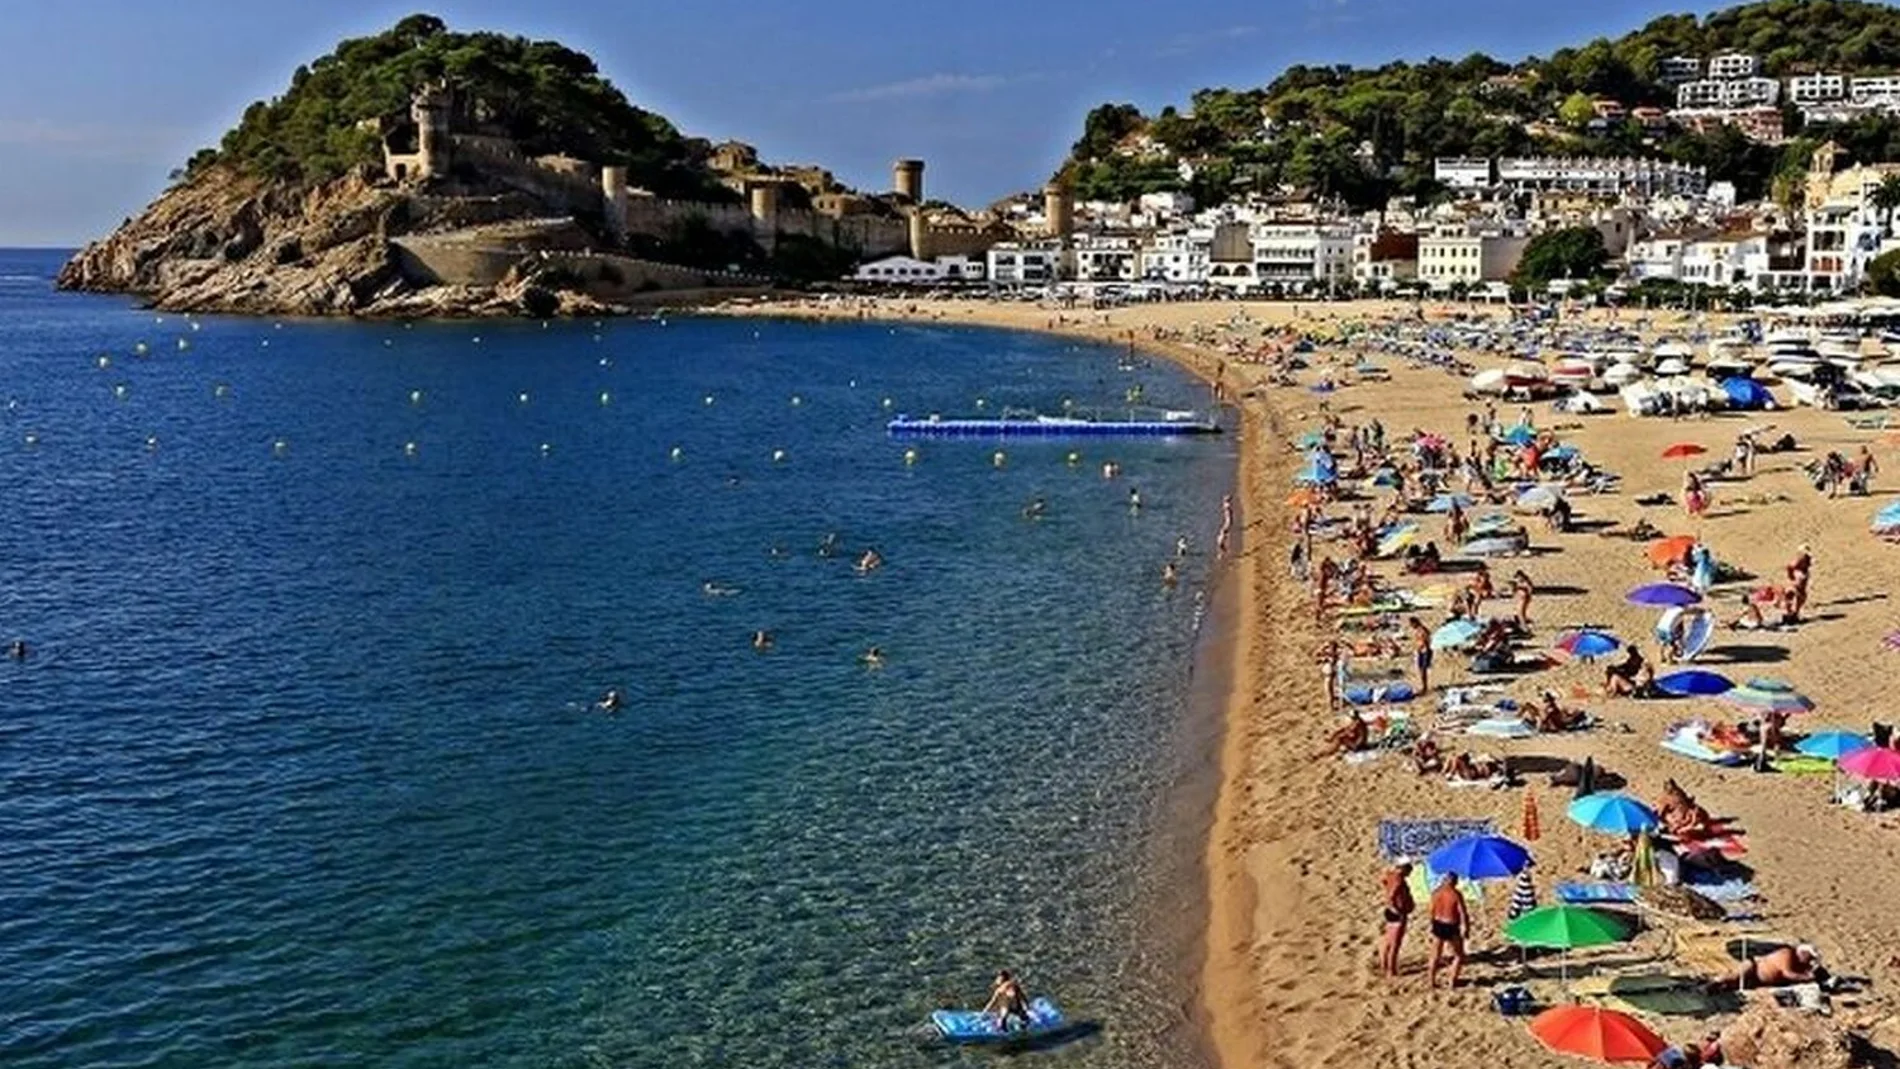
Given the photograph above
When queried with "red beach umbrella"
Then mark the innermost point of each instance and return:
(1683, 449)
(1594, 1032)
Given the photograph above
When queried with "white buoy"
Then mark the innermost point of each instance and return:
(546, 448)
(854, 384)
(265, 344)
(140, 349)
(194, 326)
(1074, 458)
(277, 326)
(910, 457)
(676, 453)
(415, 397)
(387, 342)
(221, 390)
(797, 400)
(409, 449)
(120, 391)
(778, 456)
(980, 402)
(279, 447)
(999, 458)
(183, 344)
(522, 397)
(605, 362)
(477, 339)
(888, 402)
(104, 362)
(709, 399)
(606, 398)
(1068, 402)
(160, 320)
(151, 442)
(32, 439)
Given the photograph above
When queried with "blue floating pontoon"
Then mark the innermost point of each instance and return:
(1170, 424)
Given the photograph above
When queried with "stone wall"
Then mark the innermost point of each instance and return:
(496, 158)
(869, 236)
(608, 277)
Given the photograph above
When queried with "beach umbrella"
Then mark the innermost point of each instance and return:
(1587, 644)
(1519, 435)
(1832, 745)
(1303, 497)
(1397, 539)
(1537, 497)
(1617, 814)
(1594, 1032)
(1446, 502)
(1643, 871)
(1493, 546)
(1523, 896)
(1662, 594)
(1891, 642)
(1455, 634)
(1565, 927)
(1666, 551)
(1310, 439)
(1481, 857)
(1874, 762)
(1768, 696)
(1682, 450)
(1694, 683)
(1533, 822)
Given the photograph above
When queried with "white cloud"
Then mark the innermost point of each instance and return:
(929, 85)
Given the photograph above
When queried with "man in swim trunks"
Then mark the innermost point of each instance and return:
(1781, 967)
(1007, 999)
(1421, 653)
(1398, 912)
(1450, 922)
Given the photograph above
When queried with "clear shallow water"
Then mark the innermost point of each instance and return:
(300, 771)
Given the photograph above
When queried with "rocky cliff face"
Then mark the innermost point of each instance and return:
(224, 242)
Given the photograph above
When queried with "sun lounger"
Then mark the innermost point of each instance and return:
(1580, 892)
(1415, 838)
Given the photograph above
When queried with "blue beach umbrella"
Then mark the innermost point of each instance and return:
(1445, 502)
(1663, 594)
(1480, 857)
(1746, 393)
(1694, 683)
(1455, 634)
(1888, 518)
(1617, 814)
(1587, 644)
(1832, 745)
(1519, 435)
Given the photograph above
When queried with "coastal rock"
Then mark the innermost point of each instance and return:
(221, 241)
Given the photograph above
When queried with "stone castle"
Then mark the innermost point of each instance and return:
(444, 146)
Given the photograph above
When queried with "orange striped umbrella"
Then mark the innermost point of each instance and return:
(1664, 551)
(1303, 497)
(1594, 1032)
(1533, 826)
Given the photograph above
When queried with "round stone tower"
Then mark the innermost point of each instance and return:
(431, 112)
(907, 179)
(613, 200)
(762, 199)
(1058, 208)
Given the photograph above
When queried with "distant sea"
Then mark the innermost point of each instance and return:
(302, 770)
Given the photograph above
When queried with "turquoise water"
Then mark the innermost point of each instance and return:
(301, 769)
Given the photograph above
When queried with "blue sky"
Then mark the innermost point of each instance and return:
(100, 99)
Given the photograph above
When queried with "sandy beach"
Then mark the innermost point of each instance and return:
(1291, 975)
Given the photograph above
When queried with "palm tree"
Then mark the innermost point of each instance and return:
(1886, 197)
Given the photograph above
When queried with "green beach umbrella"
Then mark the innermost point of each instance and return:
(1566, 928)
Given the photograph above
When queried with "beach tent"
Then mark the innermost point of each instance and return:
(1747, 394)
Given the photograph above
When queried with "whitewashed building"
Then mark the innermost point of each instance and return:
(908, 271)
(1734, 65)
(1452, 254)
(1674, 70)
(1105, 258)
(1808, 89)
(1644, 177)
(1177, 257)
(1462, 172)
(1728, 93)
(1012, 264)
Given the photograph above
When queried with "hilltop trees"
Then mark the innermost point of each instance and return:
(1573, 252)
(547, 97)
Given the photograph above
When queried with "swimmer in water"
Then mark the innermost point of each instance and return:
(1170, 575)
(872, 658)
(870, 562)
(1181, 547)
(1035, 509)
(17, 651)
(609, 702)
(1134, 500)
(761, 640)
(717, 590)
(828, 546)
(777, 552)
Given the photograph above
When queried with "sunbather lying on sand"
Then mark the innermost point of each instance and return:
(1468, 769)
(1629, 676)
(1426, 757)
(1679, 812)
(1777, 968)
(1552, 718)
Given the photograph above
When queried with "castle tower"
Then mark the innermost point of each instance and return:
(762, 199)
(907, 179)
(430, 110)
(919, 234)
(613, 200)
(1058, 207)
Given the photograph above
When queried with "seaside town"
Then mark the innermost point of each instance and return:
(1545, 625)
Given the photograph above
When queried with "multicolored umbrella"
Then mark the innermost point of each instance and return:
(1480, 857)
(1662, 594)
(1684, 450)
(1667, 551)
(1616, 814)
(1875, 763)
(1455, 634)
(1523, 896)
(1594, 1032)
(1694, 683)
(1832, 745)
(1763, 696)
(1587, 644)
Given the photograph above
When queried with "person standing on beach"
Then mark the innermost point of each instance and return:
(1450, 923)
(1522, 586)
(1398, 912)
(1421, 653)
(1799, 571)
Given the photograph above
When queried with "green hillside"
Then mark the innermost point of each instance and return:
(548, 97)
(1363, 135)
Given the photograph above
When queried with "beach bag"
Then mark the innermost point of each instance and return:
(1514, 1002)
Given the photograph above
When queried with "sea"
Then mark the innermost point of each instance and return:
(303, 765)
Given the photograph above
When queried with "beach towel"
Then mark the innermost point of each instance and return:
(1399, 837)
(1368, 695)
(1654, 994)
(1716, 889)
(1684, 746)
(1804, 766)
(1594, 892)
